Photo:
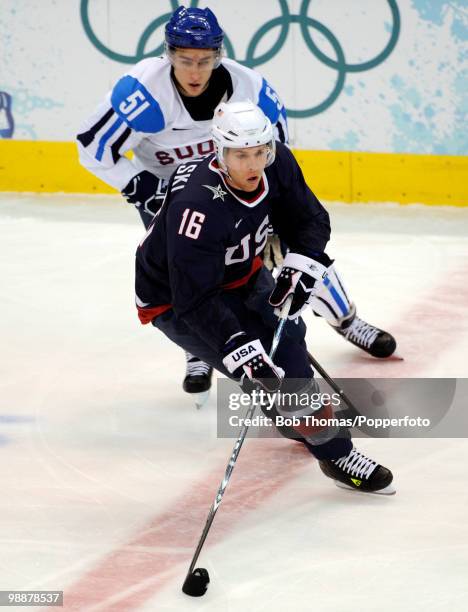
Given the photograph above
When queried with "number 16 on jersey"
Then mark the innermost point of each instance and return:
(191, 224)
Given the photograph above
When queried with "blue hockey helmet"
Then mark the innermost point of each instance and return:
(194, 28)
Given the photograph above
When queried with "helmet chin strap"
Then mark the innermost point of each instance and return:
(222, 163)
(229, 179)
(225, 171)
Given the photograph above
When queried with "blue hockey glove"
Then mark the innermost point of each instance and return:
(298, 277)
(244, 357)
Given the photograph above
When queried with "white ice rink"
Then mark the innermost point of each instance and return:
(108, 471)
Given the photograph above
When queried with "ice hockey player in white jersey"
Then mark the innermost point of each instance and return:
(162, 110)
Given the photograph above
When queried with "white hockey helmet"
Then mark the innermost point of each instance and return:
(240, 125)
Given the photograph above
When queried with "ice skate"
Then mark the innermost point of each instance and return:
(367, 337)
(358, 472)
(197, 379)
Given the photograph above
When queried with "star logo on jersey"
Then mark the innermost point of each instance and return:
(217, 191)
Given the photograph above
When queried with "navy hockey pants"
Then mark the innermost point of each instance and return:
(257, 319)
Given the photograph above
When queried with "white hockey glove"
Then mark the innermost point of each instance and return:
(272, 254)
(298, 276)
(141, 191)
(244, 357)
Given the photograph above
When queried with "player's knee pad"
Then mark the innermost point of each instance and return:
(331, 299)
(305, 411)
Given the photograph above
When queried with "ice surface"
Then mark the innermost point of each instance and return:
(108, 470)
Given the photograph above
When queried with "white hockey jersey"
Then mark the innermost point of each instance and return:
(145, 113)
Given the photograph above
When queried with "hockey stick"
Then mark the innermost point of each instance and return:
(197, 580)
(332, 384)
(367, 390)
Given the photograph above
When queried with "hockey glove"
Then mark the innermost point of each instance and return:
(298, 277)
(244, 357)
(272, 254)
(141, 191)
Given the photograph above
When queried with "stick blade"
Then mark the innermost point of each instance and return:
(196, 583)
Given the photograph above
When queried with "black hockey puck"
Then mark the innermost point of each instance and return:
(197, 582)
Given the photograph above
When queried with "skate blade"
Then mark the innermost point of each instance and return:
(388, 490)
(201, 399)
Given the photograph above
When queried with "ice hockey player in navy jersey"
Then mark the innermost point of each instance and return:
(162, 110)
(200, 278)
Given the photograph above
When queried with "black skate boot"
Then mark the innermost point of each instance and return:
(358, 472)
(367, 337)
(197, 379)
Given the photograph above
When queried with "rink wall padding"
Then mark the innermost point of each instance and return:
(45, 167)
(35, 166)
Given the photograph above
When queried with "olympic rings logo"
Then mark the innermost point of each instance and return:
(284, 22)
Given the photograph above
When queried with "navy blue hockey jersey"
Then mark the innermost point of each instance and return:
(207, 239)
